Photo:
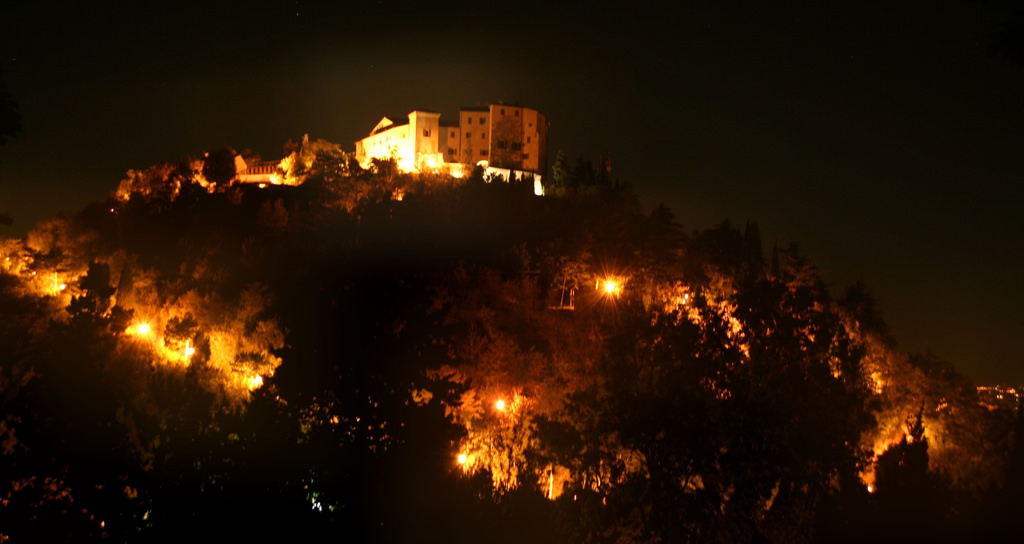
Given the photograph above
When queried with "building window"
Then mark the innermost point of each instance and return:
(469, 120)
(531, 123)
(503, 111)
(451, 151)
(469, 135)
(502, 144)
(453, 134)
(526, 156)
(426, 133)
(527, 139)
(516, 146)
(483, 135)
(483, 152)
(481, 120)
(517, 113)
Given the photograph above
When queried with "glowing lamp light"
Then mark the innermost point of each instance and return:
(500, 405)
(189, 350)
(611, 287)
(463, 458)
(142, 328)
(57, 285)
(871, 489)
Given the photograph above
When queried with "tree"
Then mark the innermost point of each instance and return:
(910, 501)
(96, 291)
(583, 174)
(560, 171)
(219, 166)
(604, 169)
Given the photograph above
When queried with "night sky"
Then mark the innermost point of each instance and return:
(886, 138)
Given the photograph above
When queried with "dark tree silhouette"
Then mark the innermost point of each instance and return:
(911, 502)
(560, 171)
(219, 166)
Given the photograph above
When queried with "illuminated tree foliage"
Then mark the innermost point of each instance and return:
(379, 356)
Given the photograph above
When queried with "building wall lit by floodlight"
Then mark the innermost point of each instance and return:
(412, 143)
(503, 136)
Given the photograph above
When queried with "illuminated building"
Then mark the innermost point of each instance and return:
(414, 144)
(995, 397)
(509, 140)
(256, 171)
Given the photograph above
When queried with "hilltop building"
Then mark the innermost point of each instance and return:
(257, 171)
(507, 139)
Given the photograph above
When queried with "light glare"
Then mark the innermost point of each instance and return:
(611, 286)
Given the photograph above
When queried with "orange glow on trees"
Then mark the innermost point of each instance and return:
(254, 382)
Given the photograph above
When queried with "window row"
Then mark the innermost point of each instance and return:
(515, 146)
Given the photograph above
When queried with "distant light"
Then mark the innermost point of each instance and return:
(142, 329)
(463, 458)
(500, 405)
(189, 350)
(871, 488)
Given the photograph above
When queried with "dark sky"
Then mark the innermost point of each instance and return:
(886, 138)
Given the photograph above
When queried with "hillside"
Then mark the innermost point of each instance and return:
(388, 357)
